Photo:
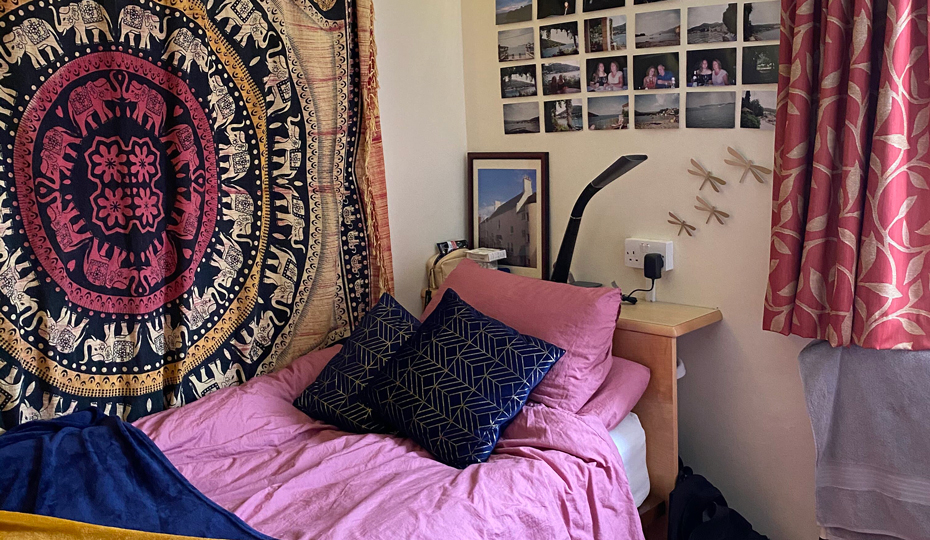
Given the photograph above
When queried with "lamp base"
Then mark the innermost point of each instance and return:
(587, 284)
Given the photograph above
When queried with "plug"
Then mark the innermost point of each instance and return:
(652, 265)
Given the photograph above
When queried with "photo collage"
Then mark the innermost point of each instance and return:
(585, 71)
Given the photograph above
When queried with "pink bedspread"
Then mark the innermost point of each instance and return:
(553, 475)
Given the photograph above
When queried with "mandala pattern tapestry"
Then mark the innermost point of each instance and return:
(190, 196)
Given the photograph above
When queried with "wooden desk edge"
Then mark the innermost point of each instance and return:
(657, 329)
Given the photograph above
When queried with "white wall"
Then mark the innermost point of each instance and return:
(423, 125)
(742, 414)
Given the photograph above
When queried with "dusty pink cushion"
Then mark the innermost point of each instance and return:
(579, 320)
(625, 384)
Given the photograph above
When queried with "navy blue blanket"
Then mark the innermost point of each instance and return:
(97, 469)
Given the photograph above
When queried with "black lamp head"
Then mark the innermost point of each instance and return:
(623, 165)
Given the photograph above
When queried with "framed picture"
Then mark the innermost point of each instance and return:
(561, 78)
(658, 28)
(656, 111)
(518, 81)
(711, 67)
(606, 74)
(558, 39)
(758, 110)
(761, 21)
(563, 115)
(760, 64)
(611, 112)
(554, 8)
(655, 71)
(597, 5)
(521, 118)
(509, 208)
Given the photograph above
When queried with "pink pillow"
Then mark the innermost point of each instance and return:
(625, 384)
(581, 321)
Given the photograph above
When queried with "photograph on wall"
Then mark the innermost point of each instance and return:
(516, 45)
(605, 34)
(639, 2)
(561, 78)
(508, 195)
(563, 115)
(558, 39)
(712, 67)
(513, 11)
(658, 28)
(521, 118)
(710, 110)
(554, 8)
(606, 74)
(518, 81)
(609, 112)
(597, 5)
(761, 21)
(712, 24)
(757, 110)
(760, 64)
(656, 111)
(655, 71)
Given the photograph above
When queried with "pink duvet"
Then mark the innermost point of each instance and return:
(553, 475)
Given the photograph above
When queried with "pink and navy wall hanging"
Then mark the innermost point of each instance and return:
(190, 196)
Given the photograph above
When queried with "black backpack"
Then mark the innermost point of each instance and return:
(698, 511)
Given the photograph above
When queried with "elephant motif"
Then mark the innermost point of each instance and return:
(106, 270)
(218, 379)
(114, 409)
(222, 104)
(115, 347)
(237, 152)
(11, 389)
(175, 398)
(281, 272)
(356, 263)
(52, 407)
(65, 333)
(180, 139)
(56, 146)
(14, 284)
(293, 158)
(241, 212)
(135, 21)
(69, 235)
(292, 215)
(83, 16)
(91, 98)
(6, 94)
(241, 13)
(163, 261)
(163, 337)
(150, 110)
(201, 309)
(348, 214)
(277, 83)
(228, 259)
(352, 240)
(31, 38)
(183, 44)
(186, 212)
(253, 346)
(6, 225)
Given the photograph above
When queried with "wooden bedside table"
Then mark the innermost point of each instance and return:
(647, 333)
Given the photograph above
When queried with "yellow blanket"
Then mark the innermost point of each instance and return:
(17, 526)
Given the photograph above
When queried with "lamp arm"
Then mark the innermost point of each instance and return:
(563, 262)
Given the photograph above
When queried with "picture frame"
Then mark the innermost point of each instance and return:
(508, 201)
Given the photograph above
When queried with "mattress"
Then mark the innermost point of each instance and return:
(631, 442)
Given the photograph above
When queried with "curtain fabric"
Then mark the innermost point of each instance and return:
(191, 194)
(851, 204)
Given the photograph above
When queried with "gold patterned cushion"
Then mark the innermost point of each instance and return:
(459, 381)
(334, 396)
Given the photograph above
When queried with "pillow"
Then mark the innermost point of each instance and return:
(334, 396)
(459, 381)
(625, 384)
(581, 321)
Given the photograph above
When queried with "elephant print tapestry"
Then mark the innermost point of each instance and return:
(191, 195)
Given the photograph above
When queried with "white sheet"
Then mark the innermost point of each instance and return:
(631, 441)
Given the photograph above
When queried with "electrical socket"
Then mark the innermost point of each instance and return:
(637, 248)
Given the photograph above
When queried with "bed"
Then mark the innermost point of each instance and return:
(553, 474)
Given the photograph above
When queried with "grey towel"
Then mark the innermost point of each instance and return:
(870, 412)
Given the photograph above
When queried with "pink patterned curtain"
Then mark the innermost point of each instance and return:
(851, 203)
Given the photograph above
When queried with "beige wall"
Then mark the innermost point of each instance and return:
(423, 124)
(743, 420)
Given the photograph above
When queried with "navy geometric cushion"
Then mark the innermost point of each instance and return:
(334, 396)
(459, 381)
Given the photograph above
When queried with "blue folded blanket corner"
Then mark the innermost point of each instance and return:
(97, 469)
